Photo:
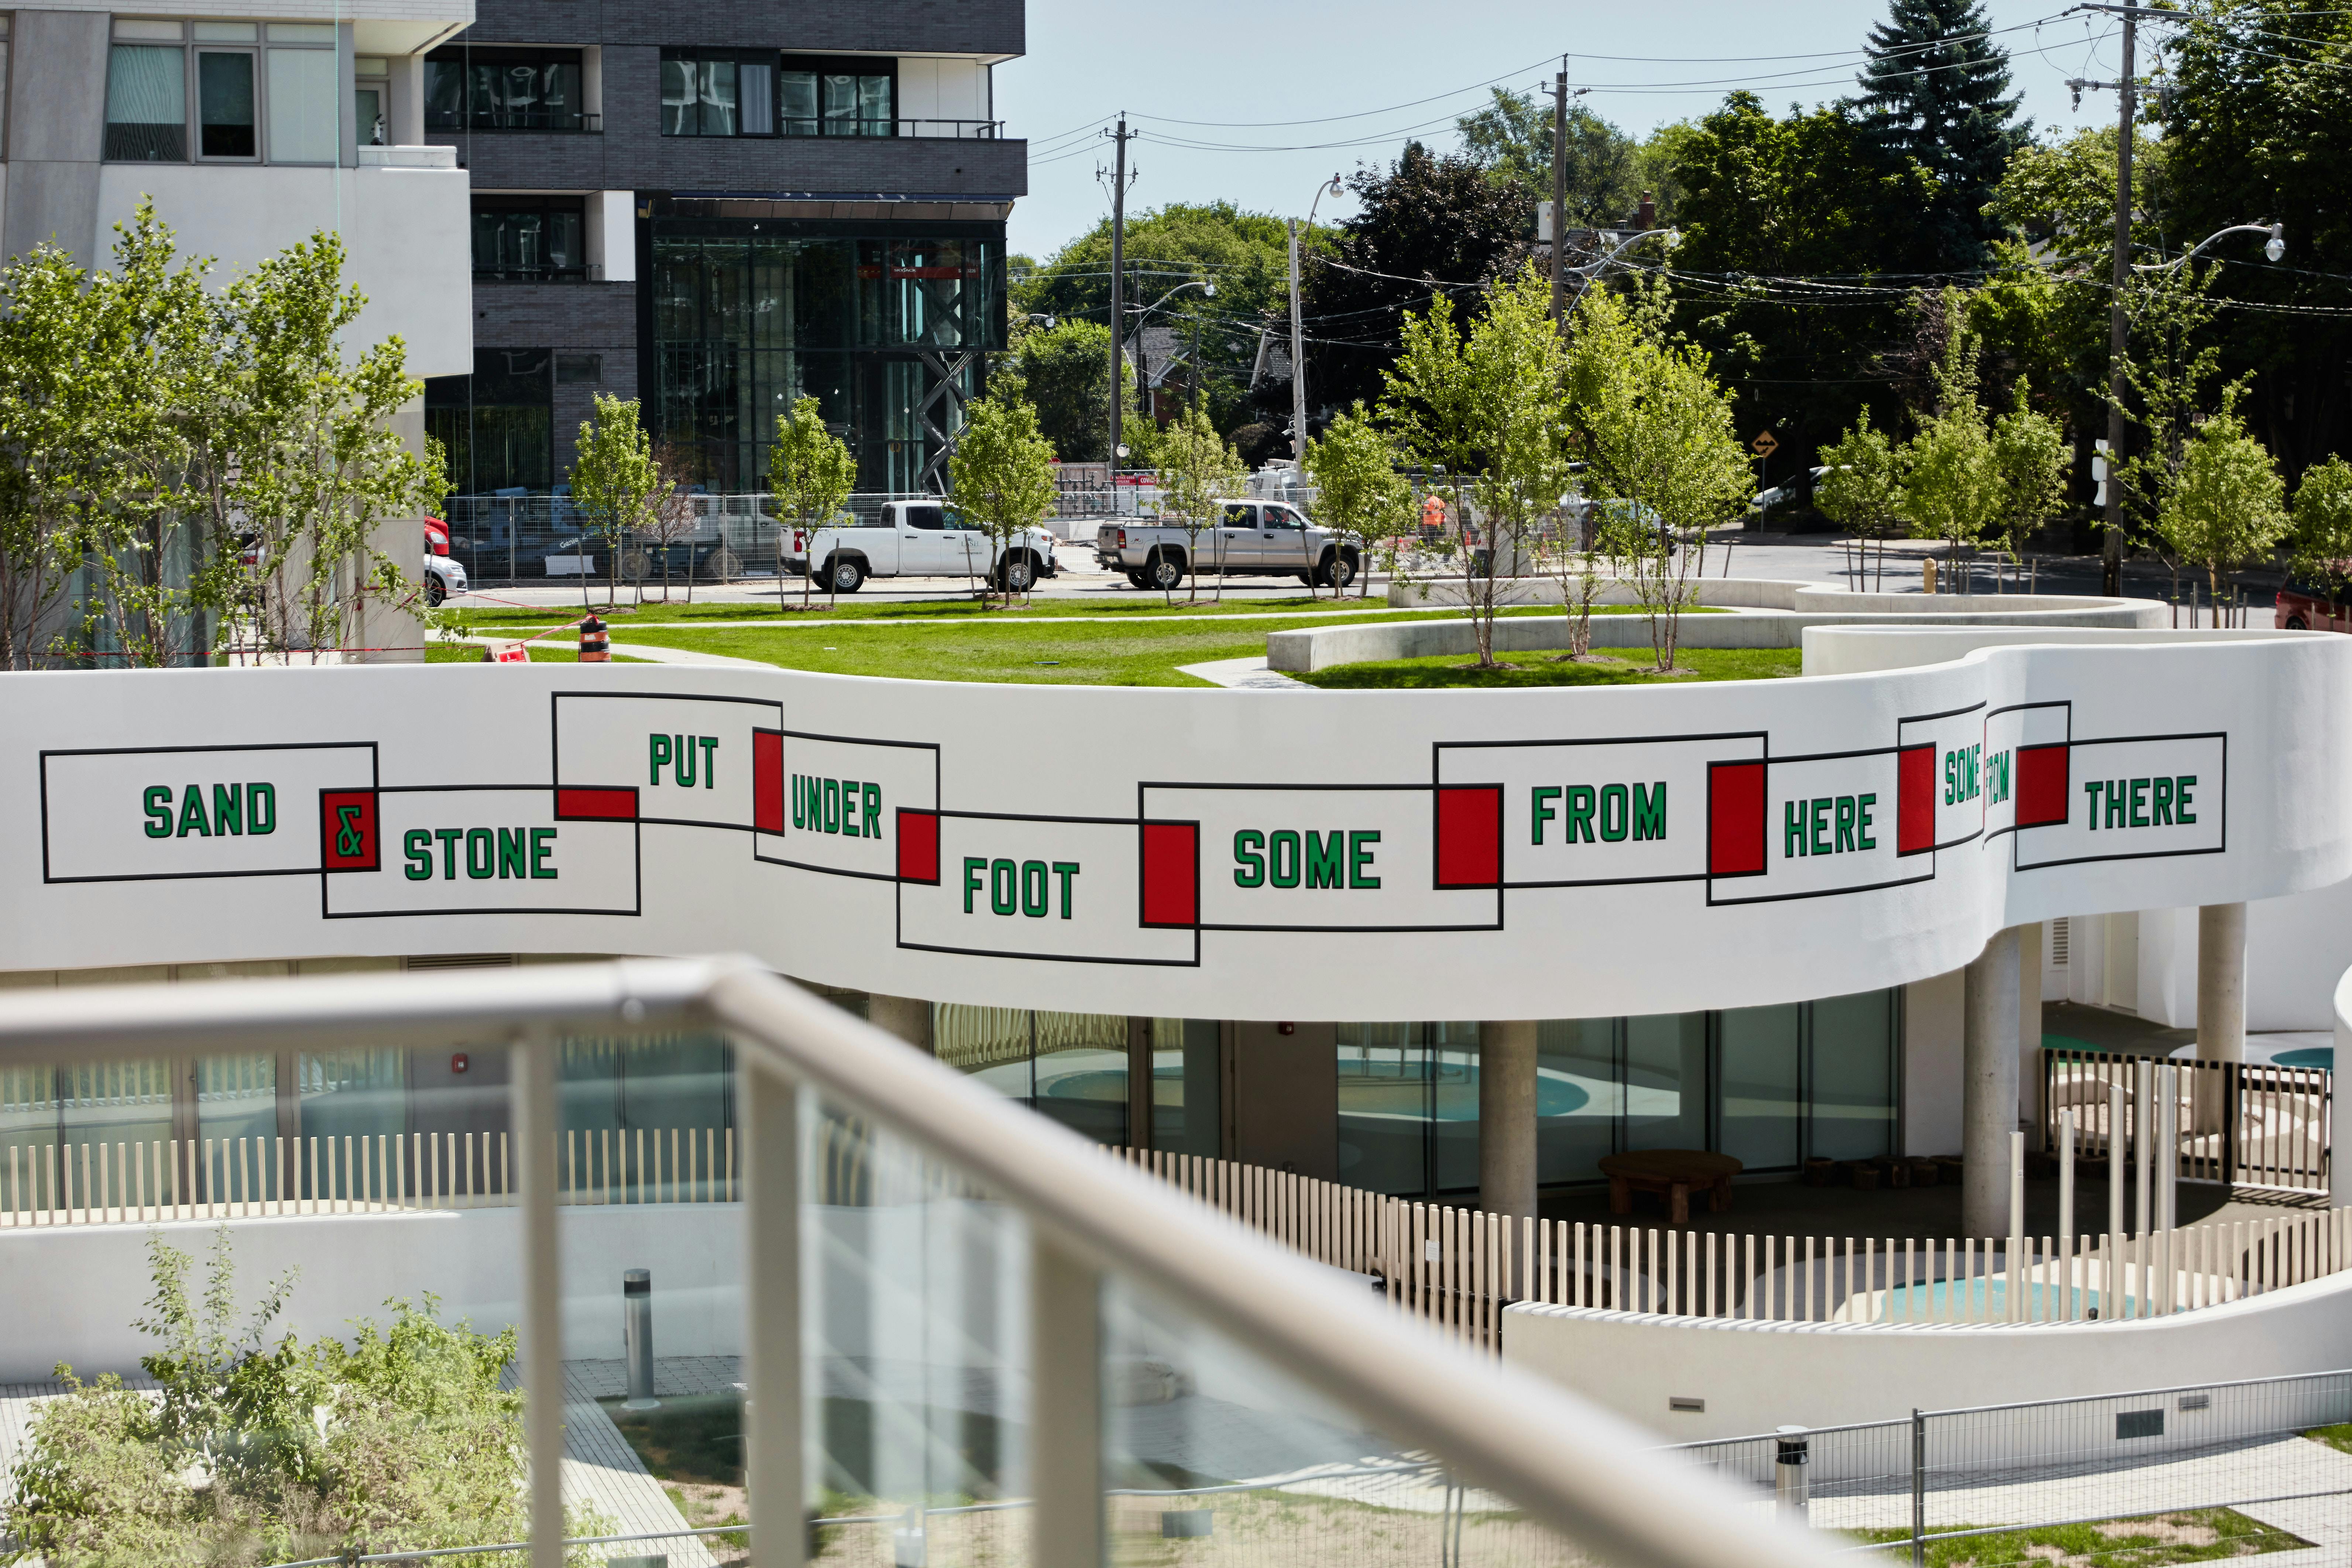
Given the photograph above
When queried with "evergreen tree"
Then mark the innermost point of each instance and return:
(1936, 91)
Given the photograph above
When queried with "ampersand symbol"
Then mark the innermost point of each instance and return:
(349, 842)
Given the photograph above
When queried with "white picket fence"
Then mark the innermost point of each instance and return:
(147, 1182)
(1459, 1268)
(1456, 1267)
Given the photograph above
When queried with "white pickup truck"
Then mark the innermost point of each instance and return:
(1250, 538)
(917, 538)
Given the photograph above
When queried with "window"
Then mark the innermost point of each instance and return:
(533, 239)
(303, 125)
(718, 95)
(504, 89)
(838, 96)
(579, 369)
(498, 428)
(255, 99)
(146, 104)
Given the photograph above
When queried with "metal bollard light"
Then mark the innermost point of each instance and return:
(1789, 1473)
(637, 1337)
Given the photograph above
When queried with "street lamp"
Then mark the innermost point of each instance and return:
(1047, 320)
(1673, 236)
(1208, 290)
(1297, 339)
(2272, 249)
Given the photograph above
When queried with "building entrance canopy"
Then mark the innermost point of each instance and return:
(1202, 853)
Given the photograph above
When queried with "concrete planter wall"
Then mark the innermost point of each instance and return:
(1762, 614)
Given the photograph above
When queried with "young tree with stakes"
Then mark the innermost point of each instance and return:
(809, 473)
(1360, 495)
(1197, 469)
(2227, 505)
(1863, 491)
(2029, 458)
(2323, 526)
(1488, 402)
(1002, 473)
(1665, 456)
(615, 482)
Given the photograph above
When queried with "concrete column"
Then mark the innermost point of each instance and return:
(2221, 1004)
(1987, 1085)
(1506, 1118)
(904, 1016)
(2221, 983)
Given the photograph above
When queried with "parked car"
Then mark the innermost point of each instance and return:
(442, 576)
(2313, 606)
(1251, 537)
(918, 539)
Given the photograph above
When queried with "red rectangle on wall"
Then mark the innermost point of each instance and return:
(347, 829)
(580, 802)
(1735, 819)
(2042, 784)
(919, 846)
(1915, 799)
(1172, 874)
(768, 780)
(1470, 835)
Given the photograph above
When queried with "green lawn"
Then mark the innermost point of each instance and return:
(1632, 668)
(1003, 649)
(854, 609)
(1137, 642)
(2191, 1535)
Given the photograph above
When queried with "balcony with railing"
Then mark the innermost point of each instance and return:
(914, 1323)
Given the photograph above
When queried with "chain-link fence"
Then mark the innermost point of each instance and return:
(2154, 1467)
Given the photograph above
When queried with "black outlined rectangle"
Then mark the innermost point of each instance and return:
(790, 833)
(328, 883)
(304, 820)
(1040, 952)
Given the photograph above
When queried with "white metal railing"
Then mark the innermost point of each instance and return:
(1568, 1466)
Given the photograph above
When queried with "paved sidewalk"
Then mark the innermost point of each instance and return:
(1243, 675)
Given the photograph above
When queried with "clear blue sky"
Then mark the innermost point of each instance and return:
(1229, 62)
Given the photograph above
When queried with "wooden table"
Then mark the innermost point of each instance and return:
(1672, 1173)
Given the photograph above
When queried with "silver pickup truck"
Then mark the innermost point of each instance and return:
(916, 538)
(1250, 538)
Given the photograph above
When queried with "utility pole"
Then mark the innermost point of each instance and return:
(1117, 300)
(2111, 569)
(1558, 179)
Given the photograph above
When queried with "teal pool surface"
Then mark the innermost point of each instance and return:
(1980, 1298)
(2308, 1057)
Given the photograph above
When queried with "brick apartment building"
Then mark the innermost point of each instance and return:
(716, 208)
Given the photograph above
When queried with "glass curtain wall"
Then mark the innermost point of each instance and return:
(653, 1111)
(1186, 1096)
(749, 316)
(1409, 1106)
(1773, 1085)
(1071, 1066)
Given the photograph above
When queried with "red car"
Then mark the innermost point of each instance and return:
(2311, 606)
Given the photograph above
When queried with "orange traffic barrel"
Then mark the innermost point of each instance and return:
(596, 644)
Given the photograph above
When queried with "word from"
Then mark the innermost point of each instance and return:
(832, 806)
(1833, 824)
(488, 852)
(1618, 813)
(1017, 889)
(2161, 802)
(675, 752)
(248, 813)
(1284, 858)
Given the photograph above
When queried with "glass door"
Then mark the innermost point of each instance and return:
(368, 102)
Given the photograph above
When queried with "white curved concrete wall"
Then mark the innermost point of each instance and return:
(1089, 848)
(1754, 1376)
